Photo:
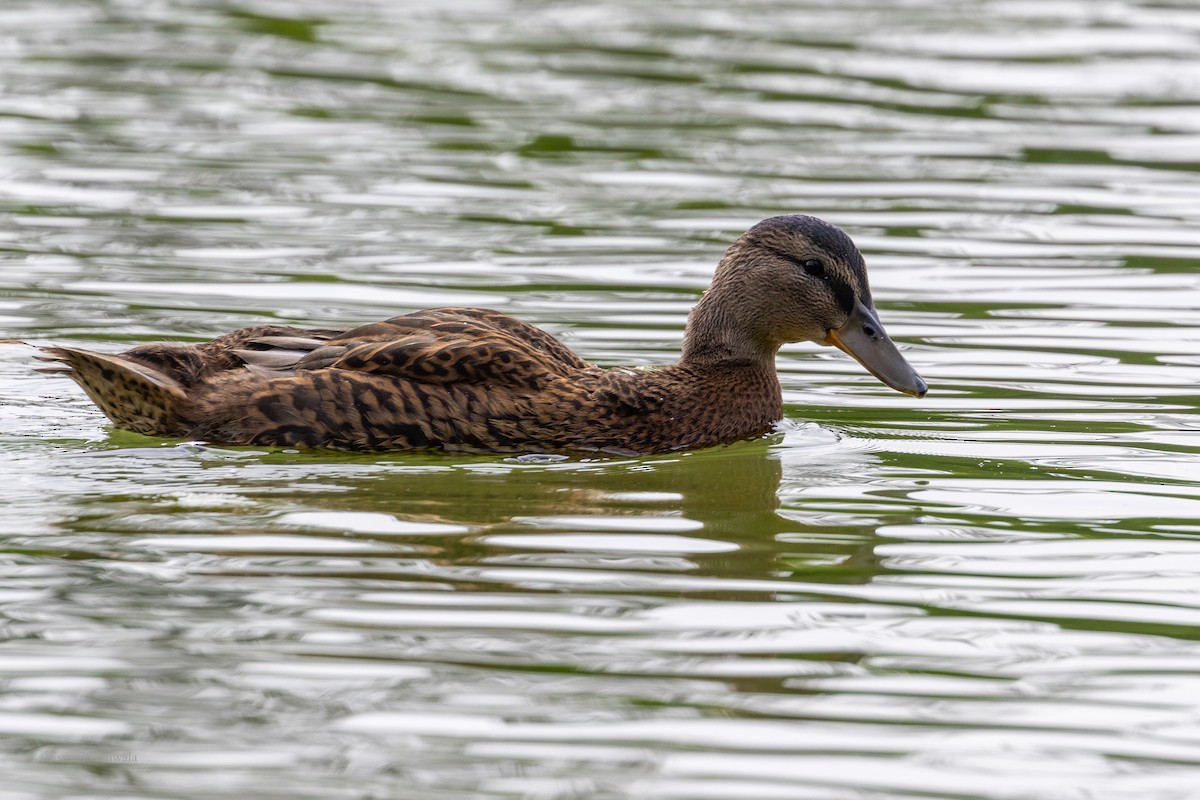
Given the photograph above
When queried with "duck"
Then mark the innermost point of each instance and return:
(476, 380)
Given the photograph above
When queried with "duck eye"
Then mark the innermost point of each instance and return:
(812, 266)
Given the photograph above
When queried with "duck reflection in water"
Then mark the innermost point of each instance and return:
(729, 497)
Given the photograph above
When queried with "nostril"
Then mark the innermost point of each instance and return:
(869, 331)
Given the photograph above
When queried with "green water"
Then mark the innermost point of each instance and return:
(992, 592)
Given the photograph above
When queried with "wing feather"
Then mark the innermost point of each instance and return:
(446, 346)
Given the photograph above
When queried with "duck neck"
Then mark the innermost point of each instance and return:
(718, 335)
(729, 389)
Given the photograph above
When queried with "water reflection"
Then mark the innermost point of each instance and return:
(713, 511)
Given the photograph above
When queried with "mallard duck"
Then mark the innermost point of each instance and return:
(476, 380)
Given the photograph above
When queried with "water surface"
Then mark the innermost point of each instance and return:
(987, 593)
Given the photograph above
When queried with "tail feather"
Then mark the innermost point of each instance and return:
(134, 396)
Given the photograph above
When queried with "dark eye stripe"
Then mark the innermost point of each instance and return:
(841, 290)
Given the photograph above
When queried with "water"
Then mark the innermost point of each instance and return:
(987, 593)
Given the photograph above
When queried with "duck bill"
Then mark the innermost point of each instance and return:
(864, 339)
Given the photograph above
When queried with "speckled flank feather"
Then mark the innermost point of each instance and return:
(462, 380)
(470, 379)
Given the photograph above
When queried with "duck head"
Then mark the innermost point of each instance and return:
(794, 279)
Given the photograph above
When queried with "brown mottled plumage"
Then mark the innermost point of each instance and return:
(471, 379)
